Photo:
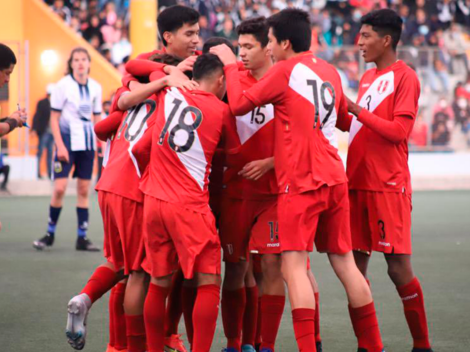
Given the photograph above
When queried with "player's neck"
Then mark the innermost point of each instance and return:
(386, 60)
(261, 71)
(171, 51)
(82, 79)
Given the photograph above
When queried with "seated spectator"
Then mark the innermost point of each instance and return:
(440, 130)
(457, 46)
(438, 77)
(63, 11)
(5, 171)
(461, 109)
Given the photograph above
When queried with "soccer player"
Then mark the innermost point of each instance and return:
(178, 223)
(377, 164)
(250, 196)
(7, 65)
(313, 206)
(122, 209)
(75, 103)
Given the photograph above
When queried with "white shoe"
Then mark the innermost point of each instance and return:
(76, 321)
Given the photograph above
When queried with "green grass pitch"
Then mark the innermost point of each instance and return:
(35, 287)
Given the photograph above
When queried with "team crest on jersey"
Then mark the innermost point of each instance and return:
(383, 85)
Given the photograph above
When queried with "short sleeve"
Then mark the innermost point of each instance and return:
(58, 97)
(407, 95)
(271, 88)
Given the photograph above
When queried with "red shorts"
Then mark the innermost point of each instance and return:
(265, 232)
(173, 233)
(320, 216)
(239, 220)
(381, 221)
(122, 222)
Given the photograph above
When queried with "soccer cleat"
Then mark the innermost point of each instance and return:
(422, 349)
(319, 346)
(229, 349)
(364, 350)
(43, 242)
(248, 348)
(174, 343)
(266, 350)
(76, 321)
(84, 244)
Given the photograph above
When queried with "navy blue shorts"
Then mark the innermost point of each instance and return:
(83, 161)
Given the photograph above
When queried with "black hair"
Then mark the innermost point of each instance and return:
(74, 51)
(292, 25)
(385, 22)
(7, 57)
(206, 65)
(257, 27)
(214, 41)
(174, 17)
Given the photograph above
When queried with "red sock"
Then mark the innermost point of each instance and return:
(188, 299)
(317, 317)
(272, 308)
(233, 308)
(112, 302)
(413, 303)
(102, 280)
(135, 333)
(366, 327)
(154, 317)
(116, 305)
(250, 317)
(304, 329)
(258, 324)
(174, 308)
(205, 315)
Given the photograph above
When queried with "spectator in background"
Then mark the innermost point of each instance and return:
(457, 46)
(419, 134)
(5, 171)
(461, 110)
(438, 77)
(440, 130)
(63, 11)
(228, 31)
(43, 131)
(446, 11)
(93, 30)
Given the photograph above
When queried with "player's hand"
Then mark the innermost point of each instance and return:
(256, 169)
(63, 154)
(181, 82)
(187, 64)
(20, 116)
(224, 53)
(353, 108)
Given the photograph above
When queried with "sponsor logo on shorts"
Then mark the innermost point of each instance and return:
(407, 298)
(273, 245)
(58, 166)
(385, 244)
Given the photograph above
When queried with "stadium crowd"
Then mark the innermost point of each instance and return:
(435, 42)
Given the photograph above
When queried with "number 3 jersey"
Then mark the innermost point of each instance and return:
(307, 97)
(256, 133)
(188, 129)
(121, 174)
(374, 163)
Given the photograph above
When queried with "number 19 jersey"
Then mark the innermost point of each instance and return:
(188, 128)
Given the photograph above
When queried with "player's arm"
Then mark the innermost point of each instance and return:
(8, 124)
(143, 91)
(142, 149)
(106, 128)
(62, 152)
(344, 120)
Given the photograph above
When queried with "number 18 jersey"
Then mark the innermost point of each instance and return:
(188, 128)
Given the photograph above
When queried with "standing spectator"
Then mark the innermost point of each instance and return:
(5, 171)
(43, 130)
(457, 46)
(446, 10)
(75, 104)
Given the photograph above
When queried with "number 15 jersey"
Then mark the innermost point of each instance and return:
(188, 128)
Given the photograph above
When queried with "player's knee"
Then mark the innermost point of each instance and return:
(59, 191)
(271, 267)
(238, 269)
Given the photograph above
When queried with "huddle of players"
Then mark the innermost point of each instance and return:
(283, 187)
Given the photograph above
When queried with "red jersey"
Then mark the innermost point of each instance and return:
(121, 174)
(256, 132)
(374, 163)
(187, 131)
(307, 96)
